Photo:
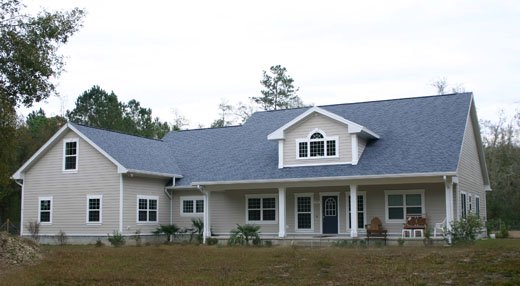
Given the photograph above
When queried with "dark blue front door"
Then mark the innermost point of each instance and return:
(330, 214)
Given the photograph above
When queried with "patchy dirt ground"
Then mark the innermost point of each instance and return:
(17, 251)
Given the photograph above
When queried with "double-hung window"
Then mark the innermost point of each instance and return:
(45, 210)
(261, 209)
(463, 205)
(361, 206)
(94, 209)
(70, 155)
(147, 209)
(192, 206)
(400, 204)
(477, 206)
(317, 145)
(304, 209)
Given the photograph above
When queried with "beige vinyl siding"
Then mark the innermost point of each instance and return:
(141, 186)
(469, 171)
(434, 203)
(302, 130)
(317, 227)
(96, 175)
(178, 219)
(228, 207)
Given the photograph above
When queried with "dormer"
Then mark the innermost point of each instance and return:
(319, 137)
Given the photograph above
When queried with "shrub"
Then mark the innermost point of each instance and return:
(400, 241)
(211, 241)
(268, 243)
(343, 243)
(170, 230)
(61, 238)
(465, 229)
(198, 229)
(34, 230)
(99, 243)
(137, 237)
(243, 234)
(504, 230)
(117, 239)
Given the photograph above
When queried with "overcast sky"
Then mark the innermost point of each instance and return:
(189, 55)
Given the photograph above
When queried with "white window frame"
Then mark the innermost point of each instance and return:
(148, 198)
(40, 199)
(100, 197)
(403, 193)
(303, 195)
(359, 193)
(308, 140)
(261, 221)
(194, 199)
(464, 204)
(477, 205)
(65, 141)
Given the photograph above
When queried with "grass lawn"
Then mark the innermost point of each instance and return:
(486, 262)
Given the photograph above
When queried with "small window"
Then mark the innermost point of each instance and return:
(477, 206)
(303, 149)
(94, 209)
(261, 209)
(192, 206)
(463, 205)
(360, 210)
(147, 209)
(331, 148)
(317, 135)
(400, 204)
(70, 155)
(317, 145)
(45, 210)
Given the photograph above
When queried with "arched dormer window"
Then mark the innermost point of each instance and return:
(317, 145)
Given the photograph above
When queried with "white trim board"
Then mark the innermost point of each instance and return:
(352, 126)
(317, 179)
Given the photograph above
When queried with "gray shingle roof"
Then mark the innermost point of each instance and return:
(133, 152)
(418, 135)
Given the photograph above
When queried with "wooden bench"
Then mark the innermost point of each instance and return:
(415, 226)
(375, 230)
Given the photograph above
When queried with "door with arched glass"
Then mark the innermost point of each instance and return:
(330, 214)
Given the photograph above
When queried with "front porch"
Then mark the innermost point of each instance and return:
(328, 212)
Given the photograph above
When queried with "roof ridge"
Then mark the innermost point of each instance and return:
(399, 99)
(114, 131)
(372, 101)
(206, 128)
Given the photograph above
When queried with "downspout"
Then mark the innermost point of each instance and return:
(207, 230)
(20, 183)
(170, 197)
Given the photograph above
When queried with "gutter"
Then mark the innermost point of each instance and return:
(317, 179)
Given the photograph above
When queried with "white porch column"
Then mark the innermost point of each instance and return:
(448, 183)
(207, 217)
(281, 212)
(353, 211)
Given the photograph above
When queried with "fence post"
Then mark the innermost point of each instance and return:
(7, 226)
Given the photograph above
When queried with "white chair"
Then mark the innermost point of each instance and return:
(439, 226)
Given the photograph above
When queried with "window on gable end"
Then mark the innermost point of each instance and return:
(70, 155)
(317, 145)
